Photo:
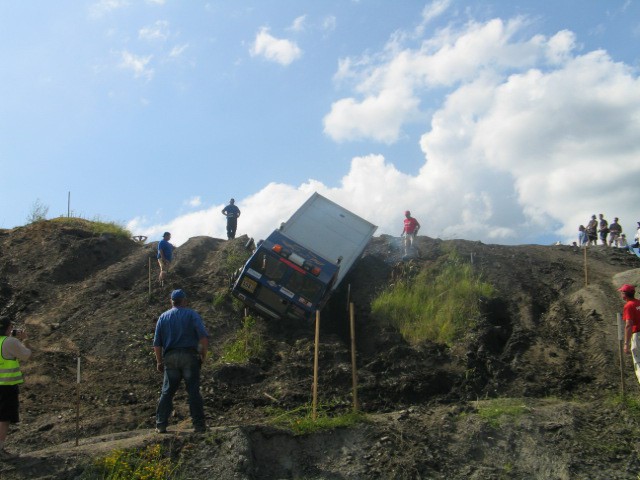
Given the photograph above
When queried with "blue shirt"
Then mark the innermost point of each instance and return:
(166, 248)
(231, 211)
(179, 327)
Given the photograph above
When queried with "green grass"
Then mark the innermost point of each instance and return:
(149, 463)
(96, 226)
(629, 402)
(496, 410)
(248, 343)
(300, 420)
(235, 258)
(438, 304)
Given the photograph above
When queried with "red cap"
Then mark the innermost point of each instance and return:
(626, 288)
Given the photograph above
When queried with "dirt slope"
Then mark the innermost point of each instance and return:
(548, 342)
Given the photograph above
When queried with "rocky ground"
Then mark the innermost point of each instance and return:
(546, 347)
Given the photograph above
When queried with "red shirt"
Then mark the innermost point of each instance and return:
(410, 225)
(631, 312)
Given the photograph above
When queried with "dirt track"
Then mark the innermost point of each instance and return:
(547, 342)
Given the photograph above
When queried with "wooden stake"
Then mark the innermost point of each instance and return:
(620, 325)
(354, 370)
(314, 406)
(586, 277)
(78, 402)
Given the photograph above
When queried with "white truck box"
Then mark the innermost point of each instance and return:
(330, 231)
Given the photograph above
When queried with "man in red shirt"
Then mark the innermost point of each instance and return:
(410, 230)
(631, 317)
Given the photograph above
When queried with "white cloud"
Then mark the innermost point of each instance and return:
(137, 64)
(178, 50)
(530, 139)
(329, 23)
(104, 7)
(194, 202)
(298, 24)
(277, 50)
(434, 10)
(159, 31)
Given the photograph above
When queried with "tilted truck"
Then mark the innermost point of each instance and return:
(292, 273)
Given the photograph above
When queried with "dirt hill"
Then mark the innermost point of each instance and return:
(545, 348)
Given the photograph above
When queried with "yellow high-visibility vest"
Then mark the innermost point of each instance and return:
(10, 373)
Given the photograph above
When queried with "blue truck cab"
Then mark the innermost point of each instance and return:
(284, 279)
(293, 272)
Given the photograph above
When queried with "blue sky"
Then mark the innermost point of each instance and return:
(502, 121)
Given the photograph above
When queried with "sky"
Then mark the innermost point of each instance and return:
(504, 121)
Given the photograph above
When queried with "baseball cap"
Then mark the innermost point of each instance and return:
(179, 293)
(626, 288)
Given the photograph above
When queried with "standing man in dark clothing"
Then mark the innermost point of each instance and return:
(12, 350)
(180, 345)
(232, 213)
(603, 229)
(165, 255)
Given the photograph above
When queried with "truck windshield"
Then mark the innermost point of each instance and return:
(270, 266)
(273, 269)
(304, 285)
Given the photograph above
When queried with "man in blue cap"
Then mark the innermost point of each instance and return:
(180, 345)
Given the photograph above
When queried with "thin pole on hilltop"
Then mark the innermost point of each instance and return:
(314, 405)
(354, 370)
(69, 204)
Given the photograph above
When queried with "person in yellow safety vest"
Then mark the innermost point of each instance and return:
(12, 350)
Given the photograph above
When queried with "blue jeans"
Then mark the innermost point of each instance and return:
(179, 364)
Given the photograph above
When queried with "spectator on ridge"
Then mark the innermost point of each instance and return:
(603, 229)
(410, 231)
(614, 232)
(583, 239)
(232, 212)
(591, 229)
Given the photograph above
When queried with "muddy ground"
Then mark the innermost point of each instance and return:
(546, 344)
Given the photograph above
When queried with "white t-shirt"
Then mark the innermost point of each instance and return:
(13, 348)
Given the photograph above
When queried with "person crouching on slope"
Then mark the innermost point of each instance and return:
(631, 317)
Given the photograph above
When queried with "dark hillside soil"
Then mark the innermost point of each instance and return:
(545, 348)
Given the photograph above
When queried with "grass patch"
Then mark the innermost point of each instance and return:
(248, 343)
(300, 421)
(97, 226)
(234, 259)
(149, 463)
(496, 410)
(220, 298)
(630, 403)
(438, 305)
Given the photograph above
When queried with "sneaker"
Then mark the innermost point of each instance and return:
(161, 429)
(200, 429)
(5, 455)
